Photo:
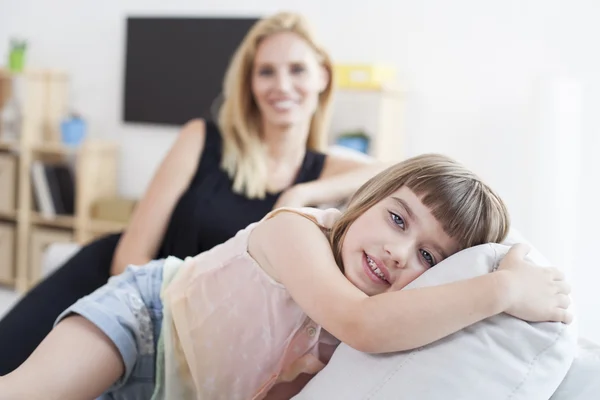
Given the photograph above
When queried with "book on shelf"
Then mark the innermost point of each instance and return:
(53, 188)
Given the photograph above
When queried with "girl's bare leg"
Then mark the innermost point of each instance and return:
(75, 361)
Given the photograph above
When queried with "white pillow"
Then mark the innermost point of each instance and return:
(499, 358)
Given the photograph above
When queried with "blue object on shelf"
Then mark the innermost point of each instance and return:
(73, 131)
(355, 142)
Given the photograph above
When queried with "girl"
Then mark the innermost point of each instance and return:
(253, 317)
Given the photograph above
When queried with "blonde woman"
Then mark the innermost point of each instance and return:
(255, 316)
(265, 150)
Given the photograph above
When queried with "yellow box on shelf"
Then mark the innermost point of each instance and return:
(364, 76)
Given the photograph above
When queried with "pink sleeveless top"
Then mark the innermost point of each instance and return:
(237, 332)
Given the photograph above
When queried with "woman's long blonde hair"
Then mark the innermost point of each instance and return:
(244, 153)
(468, 209)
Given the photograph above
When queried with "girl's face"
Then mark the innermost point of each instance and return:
(393, 243)
(287, 79)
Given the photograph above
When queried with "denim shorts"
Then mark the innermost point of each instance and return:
(128, 309)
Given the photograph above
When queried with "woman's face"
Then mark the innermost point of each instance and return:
(393, 243)
(287, 79)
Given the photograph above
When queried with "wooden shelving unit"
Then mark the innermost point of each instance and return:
(376, 112)
(59, 221)
(94, 164)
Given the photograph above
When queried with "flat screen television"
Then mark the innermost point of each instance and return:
(174, 67)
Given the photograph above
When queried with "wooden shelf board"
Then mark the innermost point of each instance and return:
(101, 226)
(59, 221)
(56, 149)
(393, 90)
(59, 148)
(8, 146)
(10, 215)
(7, 283)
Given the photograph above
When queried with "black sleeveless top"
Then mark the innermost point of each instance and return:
(209, 212)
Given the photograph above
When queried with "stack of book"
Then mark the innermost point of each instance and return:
(53, 188)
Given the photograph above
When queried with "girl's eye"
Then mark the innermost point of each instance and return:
(398, 220)
(427, 257)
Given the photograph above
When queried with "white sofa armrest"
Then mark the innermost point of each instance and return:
(581, 382)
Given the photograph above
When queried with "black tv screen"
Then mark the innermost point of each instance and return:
(174, 67)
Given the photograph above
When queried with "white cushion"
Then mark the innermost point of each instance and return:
(499, 358)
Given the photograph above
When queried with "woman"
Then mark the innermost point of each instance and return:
(264, 152)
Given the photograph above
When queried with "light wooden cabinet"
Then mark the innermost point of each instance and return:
(94, 166)
(7, 253)
(8, 179)
(378, 113)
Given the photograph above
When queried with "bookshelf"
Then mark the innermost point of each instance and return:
(375, 112)
(24, 229)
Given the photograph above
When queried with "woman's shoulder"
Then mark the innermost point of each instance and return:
(208, 132)
(206, 128)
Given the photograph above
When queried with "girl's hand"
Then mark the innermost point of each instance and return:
(536, 293)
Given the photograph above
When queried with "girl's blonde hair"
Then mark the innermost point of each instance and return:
(468, 209)
(244, 153)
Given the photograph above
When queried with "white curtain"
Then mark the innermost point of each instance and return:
(564, 177)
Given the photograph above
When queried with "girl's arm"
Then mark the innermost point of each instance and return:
(301, 257)
(143, 236)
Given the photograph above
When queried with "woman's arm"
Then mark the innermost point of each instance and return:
(340, 178)
(301, 257)
(149, 222)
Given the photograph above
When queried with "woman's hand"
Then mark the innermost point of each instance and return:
(536, 293)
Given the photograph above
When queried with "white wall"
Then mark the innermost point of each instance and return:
(485, 82)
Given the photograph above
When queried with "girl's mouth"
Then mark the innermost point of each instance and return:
(373, 271)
